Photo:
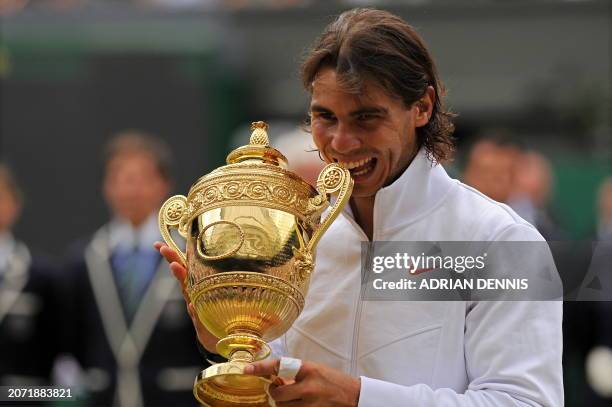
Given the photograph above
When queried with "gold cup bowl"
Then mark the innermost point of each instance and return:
(251, 228)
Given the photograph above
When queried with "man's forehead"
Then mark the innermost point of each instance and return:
(324, 94)
(131, 159)
(327, 88)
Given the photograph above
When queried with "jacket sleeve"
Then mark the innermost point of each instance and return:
(278, 348)
(513, 358)
(512, 352)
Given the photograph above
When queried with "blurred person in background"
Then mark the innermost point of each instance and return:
(129, 330)
(301, 154)
(501, 170)
(523, 179)
(598, 364)
(490, 167)
(604, 223)
(587, 313)
(530, 194)
(28, 306)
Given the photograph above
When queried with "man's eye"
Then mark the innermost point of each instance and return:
(364, 117)
(324, 116)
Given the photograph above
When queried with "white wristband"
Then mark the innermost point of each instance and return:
(289, 367)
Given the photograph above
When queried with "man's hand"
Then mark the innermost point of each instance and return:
(208, 340)
(315, 385)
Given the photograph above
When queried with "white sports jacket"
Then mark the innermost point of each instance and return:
(411, 353)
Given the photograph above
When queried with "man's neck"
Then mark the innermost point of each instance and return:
(125, 233)
(363, 212)
(363, 207)
(136, 223)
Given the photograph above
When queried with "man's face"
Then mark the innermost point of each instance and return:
(134, 187)
(491, 170)
(9, 207)
(371, 134)
(605, 201)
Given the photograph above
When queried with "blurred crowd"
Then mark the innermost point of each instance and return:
(524, 180)
(111, 322)
(8, 7)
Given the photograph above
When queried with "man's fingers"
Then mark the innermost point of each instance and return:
(176, 264)
(290, 392)
(263, 368)
(179, 271)
(169, 254)
(192, 313)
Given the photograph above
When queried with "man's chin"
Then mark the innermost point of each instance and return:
(366, 188)
(364, 191)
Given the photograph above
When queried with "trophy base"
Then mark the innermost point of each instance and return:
(225, 385)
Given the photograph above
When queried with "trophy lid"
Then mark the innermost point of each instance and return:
(255, 174)
(258, 149)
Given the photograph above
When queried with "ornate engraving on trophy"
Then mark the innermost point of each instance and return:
(251, 228)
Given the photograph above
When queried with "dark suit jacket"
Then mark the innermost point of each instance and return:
(153, 360)
(29, 320)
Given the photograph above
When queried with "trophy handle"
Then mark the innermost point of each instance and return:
(333, 178)
(171, 216)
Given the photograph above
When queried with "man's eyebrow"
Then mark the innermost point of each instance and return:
(366, 110)
(319, 109)
(370, 110)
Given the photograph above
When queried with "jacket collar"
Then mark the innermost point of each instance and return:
(122, 236)
(418, 191)
(15, 278)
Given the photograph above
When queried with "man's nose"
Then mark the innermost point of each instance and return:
(344, 140)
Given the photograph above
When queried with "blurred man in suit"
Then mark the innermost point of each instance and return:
(598, 286)
(28, 310)
(604, 223)
(130, 332)
(522, 179)
(532, 191)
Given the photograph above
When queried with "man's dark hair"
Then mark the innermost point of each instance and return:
(377, 46)
(137, 141)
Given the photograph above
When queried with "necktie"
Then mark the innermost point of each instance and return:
(133, 271)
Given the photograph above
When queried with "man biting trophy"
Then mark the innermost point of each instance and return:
(377, 111)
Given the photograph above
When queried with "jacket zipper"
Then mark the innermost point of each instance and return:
(355, 340)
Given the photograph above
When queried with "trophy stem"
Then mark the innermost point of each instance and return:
(242, 356)
(243, 346)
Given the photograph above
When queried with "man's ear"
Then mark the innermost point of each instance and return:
(424, 107)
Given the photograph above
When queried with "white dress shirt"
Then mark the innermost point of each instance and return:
(122, 235)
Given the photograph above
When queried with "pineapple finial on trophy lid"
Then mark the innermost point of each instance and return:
(260, 134)
(258, 149)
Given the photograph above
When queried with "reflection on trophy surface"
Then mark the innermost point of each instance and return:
(251, 228)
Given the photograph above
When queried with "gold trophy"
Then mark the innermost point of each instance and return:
(251, 228)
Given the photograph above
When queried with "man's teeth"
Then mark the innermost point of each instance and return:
(354, 164)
